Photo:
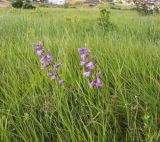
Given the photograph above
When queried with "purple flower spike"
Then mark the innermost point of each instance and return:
(47, 61)
(98, 83)
(53, 77)
(49, 73)
(82, 63)
(90, 65)
(86, 74)
(61, 82)
(92, 84)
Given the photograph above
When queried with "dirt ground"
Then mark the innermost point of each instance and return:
(4, 4)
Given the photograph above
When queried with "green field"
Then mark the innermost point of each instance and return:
(34, 108)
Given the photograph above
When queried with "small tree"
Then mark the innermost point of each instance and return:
(17, 4)
(22, 4)
(104, 20)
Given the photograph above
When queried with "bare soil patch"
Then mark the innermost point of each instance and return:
(4, 4)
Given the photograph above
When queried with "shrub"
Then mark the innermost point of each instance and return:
(21, 4)
(104, 20)
(28, 5)
(66, 5)
(17, 4)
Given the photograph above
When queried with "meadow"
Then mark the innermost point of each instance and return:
(34, 108)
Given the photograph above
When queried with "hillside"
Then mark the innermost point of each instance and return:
(4, 3)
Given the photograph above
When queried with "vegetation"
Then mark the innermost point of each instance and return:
(144, 8)
(34, 108)
(104, 20)
(17, 4)
(28, 5)
(22, 4)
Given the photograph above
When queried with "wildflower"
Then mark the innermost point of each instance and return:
(43, 59)
(92, 84)
(83, 57)
(54, 77)
(86, 74)
(39, 51)
(98, 83)
(82, 63)
(61, 82)
(55, 67)
(47, 61)
(81, 50)
(49, 73)
(84, 51)
(90, 65)
(48, 58)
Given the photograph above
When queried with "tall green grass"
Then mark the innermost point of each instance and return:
(35, 109)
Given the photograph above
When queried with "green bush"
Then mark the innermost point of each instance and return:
(66, 5)
(17, 4)
(28, 5)
(104, 20)
(21, 4)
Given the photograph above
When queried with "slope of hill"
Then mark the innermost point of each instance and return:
(4, 3)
